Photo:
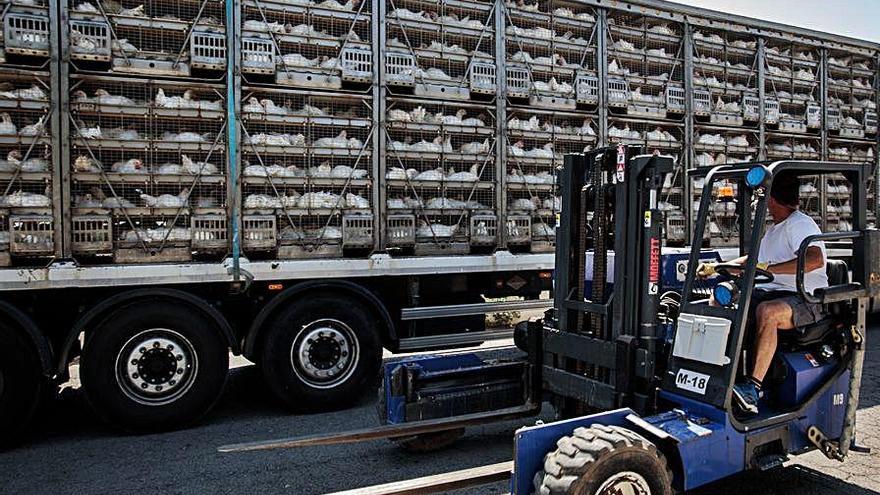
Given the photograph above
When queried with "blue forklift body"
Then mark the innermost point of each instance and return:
(707, 446)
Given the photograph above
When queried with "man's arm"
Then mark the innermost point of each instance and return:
(813, 261)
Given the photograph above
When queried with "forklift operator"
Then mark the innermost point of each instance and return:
(777, 306)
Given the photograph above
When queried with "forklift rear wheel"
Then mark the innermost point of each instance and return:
(604, 460)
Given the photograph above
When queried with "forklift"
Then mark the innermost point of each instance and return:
(637, 364)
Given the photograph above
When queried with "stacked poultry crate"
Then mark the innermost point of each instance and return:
(646, 99)
(851, 126)
(147, 131)
(726, 113)
(552, 97)
(793, 111)
(439, 167)
(307, 129)
(27, 220)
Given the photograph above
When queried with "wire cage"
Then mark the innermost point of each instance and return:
(646, 52)
(851, 93)
(154, 38)
(786, 146)
(722, 226)
(792, 78)
(307, 163)
(551, 55)
(726, 76)
(148, 178)
(306, 45)
(27, 168)
(659, 137)
(451, 46)
(723, 145)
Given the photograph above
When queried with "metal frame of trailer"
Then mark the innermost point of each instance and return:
(377, 265)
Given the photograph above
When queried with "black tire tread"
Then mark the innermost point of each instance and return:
(575, 455)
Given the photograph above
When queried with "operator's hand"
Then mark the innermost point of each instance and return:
(764, 266)
(706, 270)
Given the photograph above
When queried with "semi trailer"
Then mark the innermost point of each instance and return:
(306, 183)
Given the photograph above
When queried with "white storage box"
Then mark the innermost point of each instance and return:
(702, 338)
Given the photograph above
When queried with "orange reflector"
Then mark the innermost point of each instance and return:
(276, 286)
(545, 274)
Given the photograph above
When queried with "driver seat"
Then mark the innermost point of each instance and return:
(818, 332)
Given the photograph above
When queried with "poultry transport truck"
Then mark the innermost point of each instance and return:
(309, 182)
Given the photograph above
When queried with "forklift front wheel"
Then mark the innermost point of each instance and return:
(604, 460)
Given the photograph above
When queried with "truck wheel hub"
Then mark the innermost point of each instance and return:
(156, 366)
(324, 353)
(625, 483)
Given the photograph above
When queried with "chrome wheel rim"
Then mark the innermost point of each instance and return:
(625, 483)
(156, 366)
(324, 353)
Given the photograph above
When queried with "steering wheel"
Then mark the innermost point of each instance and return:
(762, 276)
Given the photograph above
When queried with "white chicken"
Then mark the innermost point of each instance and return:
(7, 127)
(22, 199)
(122, 45)
(395, 115)
(356, 202)
(184, 137)
(340, 141)
(471, 175)
(319, 200)
(104, 98)
(86, 164)
(253, 106)
(323, 170)
(38, 128)
(334, 5)
(344, 171)
(475, 148)
(12, 161)
(271, 108)
(524, 204)
(169, 169)
(33, 93)
(397, 173)
(261, 202)
(166, 200)
(197, 168)
(445, 204)
(541, 229)
(436, 174)
(131, 166)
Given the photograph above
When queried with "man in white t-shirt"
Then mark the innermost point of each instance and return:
(777, 305)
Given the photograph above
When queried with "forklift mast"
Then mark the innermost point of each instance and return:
(598, 352)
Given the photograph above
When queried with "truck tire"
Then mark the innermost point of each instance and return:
(21, 385)
(154, 366)
(418, 444)
(320, 352)
(604, 460)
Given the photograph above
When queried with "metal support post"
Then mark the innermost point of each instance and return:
(501, 122)
(602, 72)
(233, 104)
(380, 212)
(687, 189)
(762, 68)
(59, 95)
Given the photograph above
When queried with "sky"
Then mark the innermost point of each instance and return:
(855, 18)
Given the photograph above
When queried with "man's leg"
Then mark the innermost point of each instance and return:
(771, 317)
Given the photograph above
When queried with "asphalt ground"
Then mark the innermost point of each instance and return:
(71, 452)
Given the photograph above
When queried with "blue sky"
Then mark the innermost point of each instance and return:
(855, 18)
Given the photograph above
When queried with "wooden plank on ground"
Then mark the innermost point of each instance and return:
(455, 480)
